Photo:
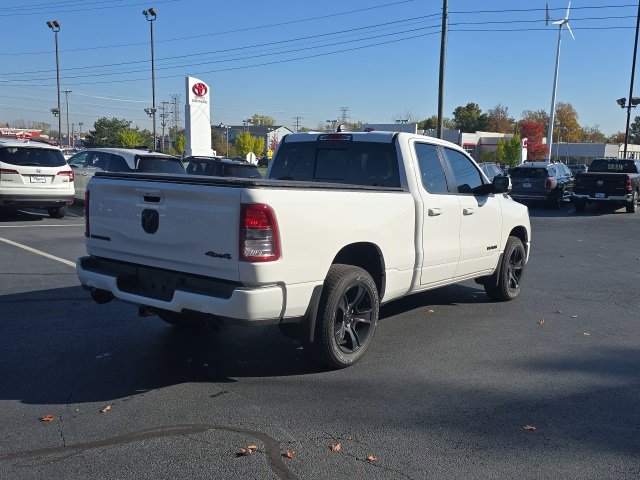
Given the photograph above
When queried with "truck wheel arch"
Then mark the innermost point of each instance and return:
(367, 256)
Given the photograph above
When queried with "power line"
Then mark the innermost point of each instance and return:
(44, 10)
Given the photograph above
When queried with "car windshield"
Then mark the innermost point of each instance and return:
(529, 172)
(619, 166)
(159, 165)
(32, 157)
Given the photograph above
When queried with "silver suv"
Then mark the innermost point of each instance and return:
(91, 160)
(35, 174)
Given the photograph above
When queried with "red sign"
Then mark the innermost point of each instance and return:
(200, 89)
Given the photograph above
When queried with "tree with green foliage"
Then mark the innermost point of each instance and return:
(566, 123)
(131, 138)
(181, 143)
(246, 143)
(431, 123)
(106, 132)
(469, 119)
(263, 120)
(634, 131)
(500, 150)
(512, 148)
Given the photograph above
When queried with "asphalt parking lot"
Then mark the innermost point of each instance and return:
(454, 386)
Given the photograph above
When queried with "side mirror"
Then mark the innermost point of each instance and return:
(502, 184)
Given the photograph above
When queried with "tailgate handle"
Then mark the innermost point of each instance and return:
(151, 198)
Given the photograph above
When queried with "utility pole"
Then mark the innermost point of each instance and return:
(296, 123)
(66, 96)
(163, 121)
(633, 72)
(344, 114)
(443, 52)
(176, 116)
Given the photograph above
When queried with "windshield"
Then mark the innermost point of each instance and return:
(159, 165)
(32, 157)
(529, 172)
(243, 171)
(613, 166)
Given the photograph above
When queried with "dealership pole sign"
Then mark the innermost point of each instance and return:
(197, 114)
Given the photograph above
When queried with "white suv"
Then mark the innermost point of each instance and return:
(35, 175)
(91, 160)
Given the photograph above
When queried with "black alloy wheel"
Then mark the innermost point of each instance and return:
(347, 316)
(511, 273)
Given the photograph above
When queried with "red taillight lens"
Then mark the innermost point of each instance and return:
(87, 230)
(628, 186)
(68, 173)
(549, 183)
(8, 171)
(259, 238)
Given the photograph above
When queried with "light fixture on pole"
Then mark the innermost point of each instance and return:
(66, 96)
(54, 25)
(150, 15)
(561, 23)
(222, 125)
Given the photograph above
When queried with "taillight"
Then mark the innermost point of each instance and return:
(259, 238)
(550, 183)
(628, 186)
(87, 230)
(8, 171)
(68, 173)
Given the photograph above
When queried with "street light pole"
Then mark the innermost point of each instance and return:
(633, 72)
(54, 25)
(66, 96)
(226, 127)
(150, 15)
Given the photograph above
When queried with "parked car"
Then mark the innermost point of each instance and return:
(67, 153)
(541, 181)
(91, 160)
(220, 167)
(613, 181)
(263, 162)
(578, 168)
(35, 174)
(491, 170)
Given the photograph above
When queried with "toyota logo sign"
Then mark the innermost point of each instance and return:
(200, 89)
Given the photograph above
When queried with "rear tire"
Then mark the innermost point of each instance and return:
(556, 202)
(347, 316)
(57, 212)
(632, 207)
(511, 272)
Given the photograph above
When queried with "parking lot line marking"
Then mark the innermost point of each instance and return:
(39, 252)
(35, 226)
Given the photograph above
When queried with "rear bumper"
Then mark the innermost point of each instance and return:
(532, 196)
(611, 198)
(49, 200)
(176, 292)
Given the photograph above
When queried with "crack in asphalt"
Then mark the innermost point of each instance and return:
(272, 446)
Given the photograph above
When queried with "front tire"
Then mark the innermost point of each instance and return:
(347, 316)
(511, 272)
(632, 207)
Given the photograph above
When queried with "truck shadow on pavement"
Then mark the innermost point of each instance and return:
(60, 347)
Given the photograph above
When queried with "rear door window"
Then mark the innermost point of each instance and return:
(153, 164)
(117, 164)
(526, 172)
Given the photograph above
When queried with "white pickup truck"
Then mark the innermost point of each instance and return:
(343, 222)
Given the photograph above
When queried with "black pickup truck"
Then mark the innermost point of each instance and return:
(611, 180)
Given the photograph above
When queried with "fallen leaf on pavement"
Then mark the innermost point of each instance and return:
(529, 428)
(245, 452)
(430, 311)
(335, 447)
(289, 454)
(105, 409)
(372, 458)
(574, 316)
(48, 418)
(586, 334)
(558, 311)
(541, 322)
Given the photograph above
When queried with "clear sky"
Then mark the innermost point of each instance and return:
(287, 59)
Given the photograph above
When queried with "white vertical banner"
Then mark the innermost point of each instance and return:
(197, 115)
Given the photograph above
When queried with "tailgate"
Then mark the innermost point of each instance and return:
(176, 226)
(603, 183)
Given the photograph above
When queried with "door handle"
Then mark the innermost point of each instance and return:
(468, 211)
(434, 212)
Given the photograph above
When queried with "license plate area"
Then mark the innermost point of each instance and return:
(150, 283)
(600, 195)
(526, 185)
(37, 179)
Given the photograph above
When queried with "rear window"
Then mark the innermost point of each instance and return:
(32, 157)
(614, 166)
(159, 165)
(355, 163)
(529, 172)
(242, 171)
